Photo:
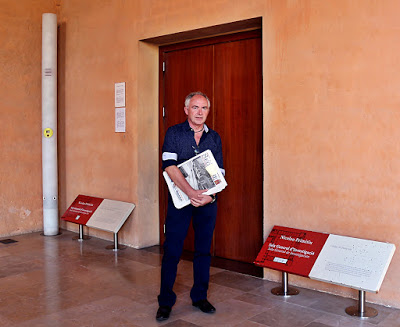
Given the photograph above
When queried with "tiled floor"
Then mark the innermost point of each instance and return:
(56, 281)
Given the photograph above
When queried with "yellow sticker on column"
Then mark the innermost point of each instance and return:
(48, 132)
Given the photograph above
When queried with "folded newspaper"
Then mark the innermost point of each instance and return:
(202, 173)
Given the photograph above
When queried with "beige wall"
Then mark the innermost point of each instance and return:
(20, 112)
(331, 123)
(330, 114)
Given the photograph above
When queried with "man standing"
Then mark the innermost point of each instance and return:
(182, 142)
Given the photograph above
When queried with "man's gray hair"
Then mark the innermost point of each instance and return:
(191, 95)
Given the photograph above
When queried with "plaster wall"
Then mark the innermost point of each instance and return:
(20, 111)
(330, 114)
(331, 118)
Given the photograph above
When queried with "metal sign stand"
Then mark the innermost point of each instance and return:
(81, 237)
(116, 246)
(361, 310)
(285, 290)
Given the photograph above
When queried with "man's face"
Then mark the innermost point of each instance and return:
(197, 111)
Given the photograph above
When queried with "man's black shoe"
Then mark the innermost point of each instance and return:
(163, 313)
(204, 306)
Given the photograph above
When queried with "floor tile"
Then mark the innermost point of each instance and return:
(337, 305)
(287, 315)
(180, 323)
(265, 302)
(248, 323)
(61, 282)
(332, 320)
(235, 280)
(393, 319)
(228, 313)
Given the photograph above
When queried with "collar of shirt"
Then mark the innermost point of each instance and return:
(191, 129)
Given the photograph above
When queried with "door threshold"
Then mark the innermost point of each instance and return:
(217, 262)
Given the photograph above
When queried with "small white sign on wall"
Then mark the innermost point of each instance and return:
(120, 94)
(120, 121)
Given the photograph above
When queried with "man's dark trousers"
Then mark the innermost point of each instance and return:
(176, 227)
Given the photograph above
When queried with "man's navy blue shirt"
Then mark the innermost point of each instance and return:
(180, 145)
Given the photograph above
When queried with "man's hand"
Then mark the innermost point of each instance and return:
(199, 199)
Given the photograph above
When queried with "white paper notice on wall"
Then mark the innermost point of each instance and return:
(120, 120)
(120, 94)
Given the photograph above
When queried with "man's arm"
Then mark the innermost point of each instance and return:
(197, 198)
(175, 174)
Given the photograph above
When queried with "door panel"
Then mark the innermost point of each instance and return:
(238, 119)
(228, 70)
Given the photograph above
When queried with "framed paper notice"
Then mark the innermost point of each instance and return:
(120, 94)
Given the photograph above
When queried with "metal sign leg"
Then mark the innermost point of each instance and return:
(361, 310)
(116, 246)
(81, 237)
(285, 290)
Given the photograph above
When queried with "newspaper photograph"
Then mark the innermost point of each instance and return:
(202, 173)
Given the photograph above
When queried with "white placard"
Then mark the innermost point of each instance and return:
(120, 94)
(110, 215)
(352, 262)
(120, 121)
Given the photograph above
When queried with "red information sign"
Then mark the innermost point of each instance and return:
(291, 250)
(82, 209)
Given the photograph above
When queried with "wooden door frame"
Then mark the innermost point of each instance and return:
(235, 36)
(148, 56)
(164, 54)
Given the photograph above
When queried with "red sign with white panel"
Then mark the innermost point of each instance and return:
(291, 250)
(82, 209)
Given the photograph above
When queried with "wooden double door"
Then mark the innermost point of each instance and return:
(229, 70)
